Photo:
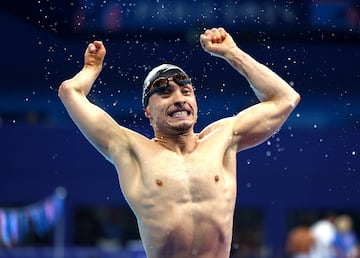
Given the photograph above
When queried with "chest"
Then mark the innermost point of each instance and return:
(195, 178)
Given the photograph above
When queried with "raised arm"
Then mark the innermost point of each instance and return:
(96, 125)
(257, 123)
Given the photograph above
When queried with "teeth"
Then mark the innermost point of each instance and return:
(180, 113)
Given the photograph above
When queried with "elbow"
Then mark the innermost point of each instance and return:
(66, 91)
(290, 101)
(294, 99)
(63, 90)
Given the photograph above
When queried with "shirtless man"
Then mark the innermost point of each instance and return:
(181, 185)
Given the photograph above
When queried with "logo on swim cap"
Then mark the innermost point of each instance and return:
(164, 70)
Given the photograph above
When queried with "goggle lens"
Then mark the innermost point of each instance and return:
(162, 82)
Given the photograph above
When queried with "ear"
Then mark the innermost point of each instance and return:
(147, 112)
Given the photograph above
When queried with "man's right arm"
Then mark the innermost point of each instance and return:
(96, 125)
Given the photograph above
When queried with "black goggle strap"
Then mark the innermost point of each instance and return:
(158, 89)
(183, 82)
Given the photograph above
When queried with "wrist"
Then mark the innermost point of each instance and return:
(237, 58)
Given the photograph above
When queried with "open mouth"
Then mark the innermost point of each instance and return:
(180, 113)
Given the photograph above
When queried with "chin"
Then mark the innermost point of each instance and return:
(183, 127)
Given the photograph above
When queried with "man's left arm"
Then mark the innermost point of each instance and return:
(257, 123)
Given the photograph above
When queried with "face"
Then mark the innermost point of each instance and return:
(173, 110)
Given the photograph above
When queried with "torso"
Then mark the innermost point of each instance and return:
(185, 203)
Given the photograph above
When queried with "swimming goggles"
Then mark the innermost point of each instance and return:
(162, 83)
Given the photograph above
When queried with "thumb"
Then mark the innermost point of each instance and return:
(92, 48)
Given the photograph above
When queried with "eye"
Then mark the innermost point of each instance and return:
(166, 91)
(187, 91)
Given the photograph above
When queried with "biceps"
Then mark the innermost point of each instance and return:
(257, 123)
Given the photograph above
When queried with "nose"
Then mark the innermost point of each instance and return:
(179, 97)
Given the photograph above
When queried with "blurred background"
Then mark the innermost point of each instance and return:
(309, 168)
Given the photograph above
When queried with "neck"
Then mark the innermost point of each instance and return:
(182, 143)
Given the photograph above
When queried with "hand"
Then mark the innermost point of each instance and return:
(217, 42)
(94, 55)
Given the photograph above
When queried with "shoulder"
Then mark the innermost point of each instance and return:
(219, 126)
(127, 143)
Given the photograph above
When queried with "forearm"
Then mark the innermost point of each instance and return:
(266, 84)
(83, 81)
(93, 63)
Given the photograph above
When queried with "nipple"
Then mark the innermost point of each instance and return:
(216, 178)
(159, 182)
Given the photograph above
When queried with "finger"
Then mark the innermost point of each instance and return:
(205, 41)
(223, 33)
(216, 35)
(208, 33)
(98, 44)
(91, 48)
(204, 37)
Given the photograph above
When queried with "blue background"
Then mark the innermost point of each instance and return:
(312, 163)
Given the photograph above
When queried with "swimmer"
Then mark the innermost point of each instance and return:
(181, 185)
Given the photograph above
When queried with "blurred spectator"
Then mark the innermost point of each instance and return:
(300, 242)
(324, 232)
(345, 243)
